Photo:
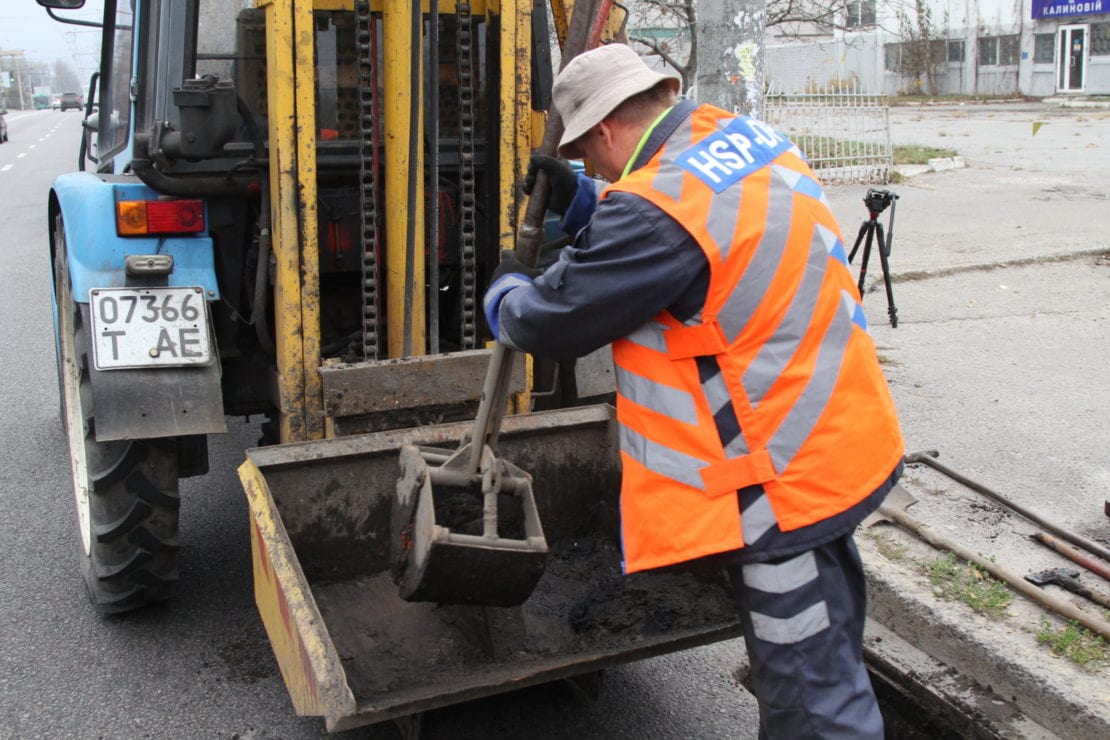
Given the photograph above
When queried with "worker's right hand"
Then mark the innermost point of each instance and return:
(509, 275)
(564, 183)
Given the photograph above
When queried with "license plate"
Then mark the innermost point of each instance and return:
(149, 327)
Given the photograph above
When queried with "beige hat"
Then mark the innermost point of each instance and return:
(593, 84)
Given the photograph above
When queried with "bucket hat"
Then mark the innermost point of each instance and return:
(593, 84)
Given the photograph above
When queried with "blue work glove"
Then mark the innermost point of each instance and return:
(563, 181)
(511, 273)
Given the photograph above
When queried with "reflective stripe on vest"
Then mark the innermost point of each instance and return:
(781, 321)
(720, 477)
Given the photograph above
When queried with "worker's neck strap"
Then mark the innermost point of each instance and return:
(643, 141)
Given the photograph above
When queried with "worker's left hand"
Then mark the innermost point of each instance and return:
(510, 274)
(563, 181)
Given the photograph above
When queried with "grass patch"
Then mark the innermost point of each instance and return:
(1074, 643)
(969, 584)
(887, 547)
(825, 151)
(918, 154)
(944, 99)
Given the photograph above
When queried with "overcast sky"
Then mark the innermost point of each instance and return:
(25, 26)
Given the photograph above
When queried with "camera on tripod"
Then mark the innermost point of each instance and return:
(878, 200)
(871, 232)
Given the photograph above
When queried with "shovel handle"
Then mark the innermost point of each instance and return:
(495, 391)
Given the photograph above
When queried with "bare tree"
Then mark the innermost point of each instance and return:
(65, 79)
(664, 15)
(923, 47)
(679, 31)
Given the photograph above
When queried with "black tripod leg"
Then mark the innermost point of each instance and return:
(883, 252)
(870, 226)
(859, 240)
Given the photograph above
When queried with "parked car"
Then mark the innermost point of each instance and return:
(3, 126)
(70, 100)
(56, 102)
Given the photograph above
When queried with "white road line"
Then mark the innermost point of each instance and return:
(32, 146)
(21, 155)
(5, 168)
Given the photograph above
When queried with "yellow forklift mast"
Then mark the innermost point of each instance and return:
(392, 83)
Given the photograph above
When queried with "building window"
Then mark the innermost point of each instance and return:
(937, 52)
(1009, 49)
(892, 57)
(988, 50)
(956, 50)
(860, 13)
(1100, 39)
(1044, 48)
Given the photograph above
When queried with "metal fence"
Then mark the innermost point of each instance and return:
(844, 134)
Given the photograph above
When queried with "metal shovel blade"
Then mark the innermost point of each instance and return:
(463, 538)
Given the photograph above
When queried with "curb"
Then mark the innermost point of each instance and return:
(937, 164)
(1077, 103)
(1001, 656)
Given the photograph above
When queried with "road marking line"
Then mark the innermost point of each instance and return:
(32, 146)
(20, 155)
(5, 168)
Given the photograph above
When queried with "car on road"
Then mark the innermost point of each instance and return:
(3, 125)
(70, 100)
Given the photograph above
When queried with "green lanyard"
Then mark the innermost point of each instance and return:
(643, 140)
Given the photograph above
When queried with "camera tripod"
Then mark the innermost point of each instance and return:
(871, 231)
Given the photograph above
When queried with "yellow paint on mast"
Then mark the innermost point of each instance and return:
(305, 102)
(280, 84)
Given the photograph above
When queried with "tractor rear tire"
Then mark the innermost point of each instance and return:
(126, 491)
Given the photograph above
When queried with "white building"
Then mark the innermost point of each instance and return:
(1036, 48)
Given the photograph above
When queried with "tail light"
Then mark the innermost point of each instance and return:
(148, 217)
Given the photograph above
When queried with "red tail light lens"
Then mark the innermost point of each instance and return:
(147, 217)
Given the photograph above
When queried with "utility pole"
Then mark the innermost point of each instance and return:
(730, 54)
(16, 56)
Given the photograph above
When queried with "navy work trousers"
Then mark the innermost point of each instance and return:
(803, 619)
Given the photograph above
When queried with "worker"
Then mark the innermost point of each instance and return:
(756, 427)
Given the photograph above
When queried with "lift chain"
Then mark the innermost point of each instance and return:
(467, 201)
(368, 159)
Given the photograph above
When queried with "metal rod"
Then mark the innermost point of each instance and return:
(433, 177)
(929, 458)
(413, 178)
(1071, 554)
(502, 543)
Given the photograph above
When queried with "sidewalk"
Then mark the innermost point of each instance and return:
(999, 362)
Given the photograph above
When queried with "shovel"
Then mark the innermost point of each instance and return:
(441, 553)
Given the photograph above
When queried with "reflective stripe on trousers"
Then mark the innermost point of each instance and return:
(803, 620)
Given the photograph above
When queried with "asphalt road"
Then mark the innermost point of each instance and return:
(200, 666)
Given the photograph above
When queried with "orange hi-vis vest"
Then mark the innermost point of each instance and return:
(782, 321)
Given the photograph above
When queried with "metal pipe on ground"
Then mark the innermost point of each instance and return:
(1071, 554)
(1068, 580)
(929, 458)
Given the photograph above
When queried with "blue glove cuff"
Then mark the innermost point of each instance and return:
(581, 208)
(491, 303)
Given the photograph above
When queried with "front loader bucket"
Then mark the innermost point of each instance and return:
(441, 550)
(353, 651)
